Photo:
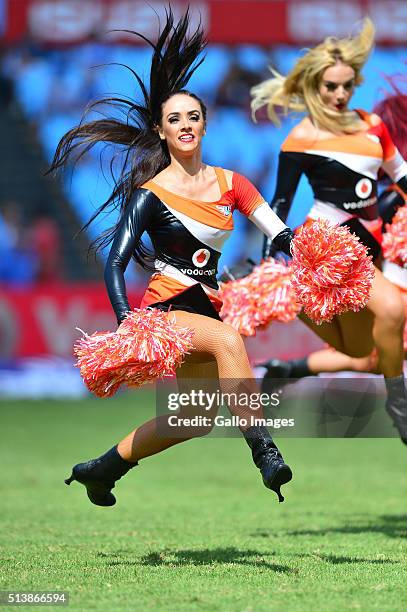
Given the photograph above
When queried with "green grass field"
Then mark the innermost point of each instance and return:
(194, 528)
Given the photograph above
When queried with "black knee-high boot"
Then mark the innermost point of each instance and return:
(396, 404)
(268, 459)
(99, 476)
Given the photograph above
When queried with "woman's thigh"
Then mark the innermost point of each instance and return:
(220, 340)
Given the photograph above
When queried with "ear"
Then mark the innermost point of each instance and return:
(160, 132)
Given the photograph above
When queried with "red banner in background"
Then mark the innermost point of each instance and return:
(263, 22)
(42, 321)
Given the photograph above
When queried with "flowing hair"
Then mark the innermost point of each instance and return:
(299, 90)
(393, 111)
(174, 60)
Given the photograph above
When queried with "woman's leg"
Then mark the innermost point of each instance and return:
(225, 347)
(149, 438)
(380, 325)
(225, 344)
(387, 305)
(350, 333)
(330, 360)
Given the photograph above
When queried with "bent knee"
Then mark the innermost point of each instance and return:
(392, 311)
(231, 342)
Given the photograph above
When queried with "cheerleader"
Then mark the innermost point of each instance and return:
(341, 151)
(186, 207)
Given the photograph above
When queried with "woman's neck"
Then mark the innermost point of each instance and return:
(185, 168)
(322, 132)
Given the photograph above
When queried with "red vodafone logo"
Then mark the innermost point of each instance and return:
(363, 188)
(200, 258)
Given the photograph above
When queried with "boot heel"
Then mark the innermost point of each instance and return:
(99, 475)
(70, 479)
(268, 459)
(283, 476)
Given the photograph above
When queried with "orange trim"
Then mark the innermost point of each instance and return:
(163, 287)
(365, 116)
(204, 212)
(223, 184)
(243, 196)
(357, 144)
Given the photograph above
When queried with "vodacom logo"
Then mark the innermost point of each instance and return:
(200, 258)
(363, 188)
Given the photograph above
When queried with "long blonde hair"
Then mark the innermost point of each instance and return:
(299, 90)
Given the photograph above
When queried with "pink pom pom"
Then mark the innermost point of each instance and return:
(256, 300)
(148, 346)
(395, 239)
(332, 272)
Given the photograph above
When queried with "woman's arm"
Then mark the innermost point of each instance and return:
(252, 204)
(136, 219)
(276, 232)
(389, 202)
(288, 176)
(393, 163)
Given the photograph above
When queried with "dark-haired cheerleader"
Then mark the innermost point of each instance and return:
(186, 208)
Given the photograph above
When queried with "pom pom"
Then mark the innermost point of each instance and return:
(332, 272)
(259, 298)
(395, 239)
(148, 346)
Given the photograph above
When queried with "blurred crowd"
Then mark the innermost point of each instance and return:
(30, 249)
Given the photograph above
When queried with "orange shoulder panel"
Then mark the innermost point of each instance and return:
(246, 196)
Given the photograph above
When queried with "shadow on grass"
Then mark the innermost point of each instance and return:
(391, 525)
(181, 558)
(336, 560)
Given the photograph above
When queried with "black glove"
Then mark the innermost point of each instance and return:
(268, 249)
(389, 203)
(238, 271)
(282, 242)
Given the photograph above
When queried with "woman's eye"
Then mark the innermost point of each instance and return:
(349, 86)
(173, 120)
(195, 118)
(331, 87)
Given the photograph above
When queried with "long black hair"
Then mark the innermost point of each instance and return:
(174, 60)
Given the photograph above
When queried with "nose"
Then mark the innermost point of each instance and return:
(185, 124)
(341, 93)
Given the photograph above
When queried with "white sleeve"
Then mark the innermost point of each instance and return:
(267, 221)
(395, 168)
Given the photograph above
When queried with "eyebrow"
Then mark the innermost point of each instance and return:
(335, 83)
(176, 113)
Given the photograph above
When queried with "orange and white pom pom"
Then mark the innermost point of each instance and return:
(395, 239)
(149, 346)
(259, 298)
(332, 272)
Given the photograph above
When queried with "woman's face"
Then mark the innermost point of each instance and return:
(182, 125)
(337, 85)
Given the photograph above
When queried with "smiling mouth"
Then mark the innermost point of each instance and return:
(186, 138)
(340, 106)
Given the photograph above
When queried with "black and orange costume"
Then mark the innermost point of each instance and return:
(342, 171)
(187, 236)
